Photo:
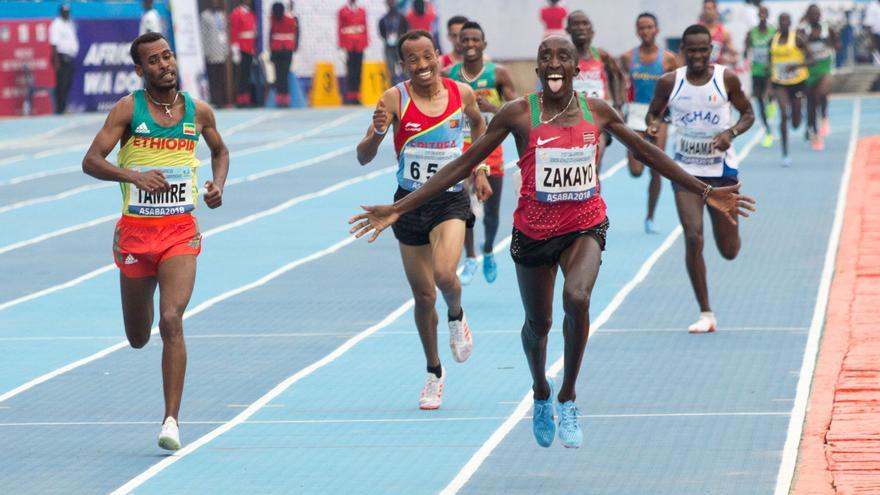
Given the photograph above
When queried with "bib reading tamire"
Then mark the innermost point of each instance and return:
(170, 150)
(565, 174)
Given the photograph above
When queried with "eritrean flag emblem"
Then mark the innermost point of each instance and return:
(189, 129)
(454, 123)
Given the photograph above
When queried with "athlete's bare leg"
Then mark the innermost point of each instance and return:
(690, 213)
(446, 241)
(636, 168)
(137, 308)
(726, 234)
(580, 267)
(536, 290)
(177, 276)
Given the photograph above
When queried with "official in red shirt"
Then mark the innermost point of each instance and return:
(243, 35)
(283, 41)
(353, 39)
(553, 16)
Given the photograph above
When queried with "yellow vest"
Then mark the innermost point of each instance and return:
(787, 61)
(169, 149)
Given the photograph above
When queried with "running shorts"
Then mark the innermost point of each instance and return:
(532, 253)
(818, 70)
(414, 227)
(140, 245)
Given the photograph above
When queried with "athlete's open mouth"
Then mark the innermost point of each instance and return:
(425, 75)
(554, 82)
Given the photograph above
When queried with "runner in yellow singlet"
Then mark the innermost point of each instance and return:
(789, 59)
(157, 239)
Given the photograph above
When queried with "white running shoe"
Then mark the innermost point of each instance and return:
(706, 323)
(460, 340)
(432, 392)
(169, 437)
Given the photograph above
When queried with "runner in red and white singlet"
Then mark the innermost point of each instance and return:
(426, 113)
(560, 221)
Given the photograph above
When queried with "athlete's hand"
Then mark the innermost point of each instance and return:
(721, 141)
(151, 181)
(727, 200)
(213, 195)
(377, 219)
(482, 186)
(381, 118)
(654, 129)
(485, 105)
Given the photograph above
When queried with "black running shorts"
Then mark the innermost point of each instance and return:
(414, 227)
(532, 253)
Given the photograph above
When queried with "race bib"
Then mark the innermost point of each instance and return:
(594, 87)
(716, 51)
(760, 55)
(695, 148)
(786, 71)
(420, 164)
(565, 174)
(391, 40)
(635, 116)
(178, 199)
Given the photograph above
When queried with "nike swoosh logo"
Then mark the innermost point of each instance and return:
(542, 142)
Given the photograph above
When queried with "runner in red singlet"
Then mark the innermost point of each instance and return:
(560, 220)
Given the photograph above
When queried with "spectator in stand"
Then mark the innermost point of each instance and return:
(151, 21)
(284, 40)
(243, 32)
(453, 27)
(353, 39)
(65, 45)
(423, 16)
(391, 27)
(872, 23)
(553, 16)
(215, 40)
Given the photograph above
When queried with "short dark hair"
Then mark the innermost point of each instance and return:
(474, 25)
(142, 40)
(649, 16)
(413, 35)
(695, 29)
(456, 19)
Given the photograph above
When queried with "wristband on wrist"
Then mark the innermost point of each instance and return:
(376, 131)
(733, 132)
(707, 192)
(484, 168)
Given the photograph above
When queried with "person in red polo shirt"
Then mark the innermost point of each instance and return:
(283, 41)
(243, 34)
(353, 39)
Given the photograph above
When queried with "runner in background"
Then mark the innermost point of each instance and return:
(789, 58)
(822, 40)
(758, 51)
(645, 64)
(722, 46)
(553, 17)
(453, 28)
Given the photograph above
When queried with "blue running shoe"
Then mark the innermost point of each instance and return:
(543, 425)
(467, 273)
(570, 434)
(490, 268)
(649, 227)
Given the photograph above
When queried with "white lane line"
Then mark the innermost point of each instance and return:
(40, 175)
(107, 218)
(299, 137)
(189, 313)
(428, 419)
(56, 197)
(525, 403)
(16, 143)
(295, 335)
(811, 351)
(222, 228)
(275, 392)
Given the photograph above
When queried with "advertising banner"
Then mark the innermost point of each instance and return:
(26, 73)
(188, 47)
(104, 69)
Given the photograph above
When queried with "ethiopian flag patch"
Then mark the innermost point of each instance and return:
(189, 129)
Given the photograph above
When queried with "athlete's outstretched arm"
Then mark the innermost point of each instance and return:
(384, 117)
(378, 218)
(662, 92)
(219, 154)
(505, 81)
(478, 128)
(95, 162)
(741, 102)
(724, 199)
